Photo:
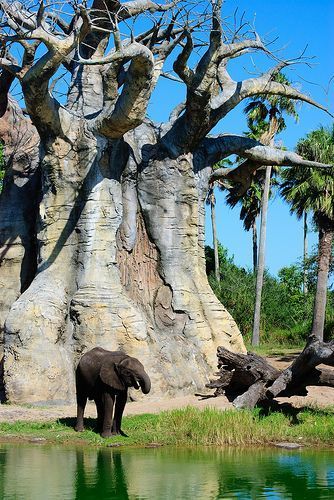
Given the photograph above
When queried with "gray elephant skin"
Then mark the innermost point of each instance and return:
(105, 376)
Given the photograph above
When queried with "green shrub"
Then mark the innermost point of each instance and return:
(286, 313)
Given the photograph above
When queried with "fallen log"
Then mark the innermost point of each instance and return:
(248, 379)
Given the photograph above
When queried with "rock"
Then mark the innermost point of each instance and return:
(37, 440)
(289, 446)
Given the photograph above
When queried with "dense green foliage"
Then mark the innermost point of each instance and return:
(312, 189)
(286, 312)
(191, 427)
(264, 108)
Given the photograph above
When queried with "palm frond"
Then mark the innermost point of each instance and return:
(312, 189)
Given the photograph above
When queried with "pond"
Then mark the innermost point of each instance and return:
(43, 472)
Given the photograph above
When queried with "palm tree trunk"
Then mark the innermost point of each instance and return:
(324, 259)
(214, 237)
(261, 262)
(254, 230)
(305, 255)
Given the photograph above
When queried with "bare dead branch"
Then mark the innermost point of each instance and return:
(218, 148)
(8, 64)
(177, 112)
(236, 92)
(36, 75)
(256, 154)
(229, 51)
(248, 379)
(136, 7)
(130, 107)
(180, 65)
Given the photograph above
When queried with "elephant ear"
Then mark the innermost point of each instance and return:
(109, 376)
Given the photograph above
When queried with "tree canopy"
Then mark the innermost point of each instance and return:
(113, 61)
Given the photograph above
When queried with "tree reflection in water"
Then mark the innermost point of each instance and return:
(31, 472)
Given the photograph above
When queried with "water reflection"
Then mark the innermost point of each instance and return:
(44, 472)
(100, 474)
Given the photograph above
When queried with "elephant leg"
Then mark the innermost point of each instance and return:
(108, 403)
(100, 413)
(119, 408)
(81, 404)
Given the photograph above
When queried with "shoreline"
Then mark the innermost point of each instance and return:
(293, 428)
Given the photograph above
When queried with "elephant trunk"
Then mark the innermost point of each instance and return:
(145, 383)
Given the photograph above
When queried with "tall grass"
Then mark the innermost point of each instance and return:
(192, 427)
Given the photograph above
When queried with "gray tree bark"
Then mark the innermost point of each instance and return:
(305, 255)
(324, 258)
(254, 238)
(120, 265)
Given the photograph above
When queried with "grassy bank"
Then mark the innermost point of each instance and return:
(275, 349)
(191, 427)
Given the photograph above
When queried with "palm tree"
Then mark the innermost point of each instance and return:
(305, 254)
(265, 118)
(312, 189)
(211, 200)
(250, 210)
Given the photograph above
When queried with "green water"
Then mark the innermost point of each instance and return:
(40, 472)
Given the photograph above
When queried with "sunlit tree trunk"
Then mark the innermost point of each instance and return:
(261, 261)
(305, 256)
(120, 265)
(324, 258)
(254, 238)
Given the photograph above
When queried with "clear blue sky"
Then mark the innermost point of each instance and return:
(297, 23)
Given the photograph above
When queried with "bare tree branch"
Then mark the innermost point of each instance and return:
(214, 149)
(130, 9)
(18, 18)
(180, 65)
(130, 107)
(236, 92)
(125, 77)
(229, 51)
(9, 66)
(36, 75)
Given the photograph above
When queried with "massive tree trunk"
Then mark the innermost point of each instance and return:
(120, 265)
(18, 206)
(18, 209)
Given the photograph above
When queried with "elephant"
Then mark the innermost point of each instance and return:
(104, 376)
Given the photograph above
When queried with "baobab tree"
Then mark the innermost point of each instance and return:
(119, 225)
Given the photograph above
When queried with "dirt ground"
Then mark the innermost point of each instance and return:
(319, 396)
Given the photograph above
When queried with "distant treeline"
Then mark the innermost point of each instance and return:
(286, 314)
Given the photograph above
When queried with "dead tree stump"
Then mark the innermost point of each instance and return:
(248, 379)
